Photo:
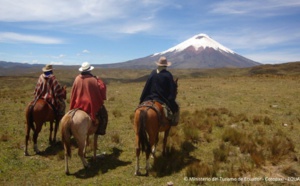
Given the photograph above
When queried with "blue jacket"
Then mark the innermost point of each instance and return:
(162, 88)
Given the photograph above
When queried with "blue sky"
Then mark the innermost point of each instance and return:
(70, 32)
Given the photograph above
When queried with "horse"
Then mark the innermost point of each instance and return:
(79, 124)
(149, 120)
(40, 112)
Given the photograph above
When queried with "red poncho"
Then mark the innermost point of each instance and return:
(49, 89)
(88, 93)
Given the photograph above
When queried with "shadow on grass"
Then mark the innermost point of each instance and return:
(174, 161)
(102, 164)
(54, 149)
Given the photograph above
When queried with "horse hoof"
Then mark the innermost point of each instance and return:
(137, 173)
(67, 173)
(26, 154)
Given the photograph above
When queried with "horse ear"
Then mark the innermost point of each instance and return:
(176, 80)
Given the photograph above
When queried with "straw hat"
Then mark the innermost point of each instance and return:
(163, 62)
(47, 68)
(86, 67)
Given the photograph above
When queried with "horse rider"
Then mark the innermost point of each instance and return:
(49, 89)
(88, 94)
(161, 87)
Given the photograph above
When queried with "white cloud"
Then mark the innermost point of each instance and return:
(254, 7)
(135, 28)
(257, 39)
(56, 63)
(86, 51)
(53, 11)
(11, 37)
(101, 17)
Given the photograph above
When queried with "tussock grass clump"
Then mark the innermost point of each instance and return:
(191, 134)
(203, 121)
(267, 120)
(239, 118)
(221, 153)
(257, 119)
(280, 146)
(246, 143)
(258, 157)
(200, 170)
(233, 136)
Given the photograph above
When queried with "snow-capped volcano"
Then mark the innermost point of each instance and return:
(199, 51)
(200, 41)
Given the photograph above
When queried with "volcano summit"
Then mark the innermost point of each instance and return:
(200, 51)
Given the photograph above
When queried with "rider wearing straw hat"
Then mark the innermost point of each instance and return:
(49, 89)
(160, 86)
(88, 93)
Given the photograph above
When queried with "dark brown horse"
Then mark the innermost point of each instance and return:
(37, 113)
(149, 120)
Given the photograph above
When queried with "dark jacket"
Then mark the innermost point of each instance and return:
(162, 88)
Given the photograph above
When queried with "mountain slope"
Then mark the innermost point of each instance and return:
(200, 51)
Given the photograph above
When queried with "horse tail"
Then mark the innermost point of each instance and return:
(66, 133)
(143, 138)
(29, 116)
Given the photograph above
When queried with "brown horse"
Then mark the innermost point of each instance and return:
(79, 124)
(39, 112)
(149, 120)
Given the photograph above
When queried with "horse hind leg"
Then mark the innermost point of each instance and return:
(165, 142)
(35, 137)
(67, 165)
(51, 131)
(26, 141)
(147, 163)
(55, 130)
(137, 154)
(81, 153)
(153, 150)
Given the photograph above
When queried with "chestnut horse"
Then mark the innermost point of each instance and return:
(149, 120)
(79, 124)
(39, 112)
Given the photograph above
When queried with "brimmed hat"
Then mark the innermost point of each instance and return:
(163, 62)
(47, 68)
(86, 67)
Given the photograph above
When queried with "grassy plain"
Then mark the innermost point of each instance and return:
(236, 124)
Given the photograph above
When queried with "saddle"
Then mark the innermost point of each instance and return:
(161, 110)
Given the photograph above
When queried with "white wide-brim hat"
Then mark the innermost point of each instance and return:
(163, 62)
(86, 67)
(47, 68)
